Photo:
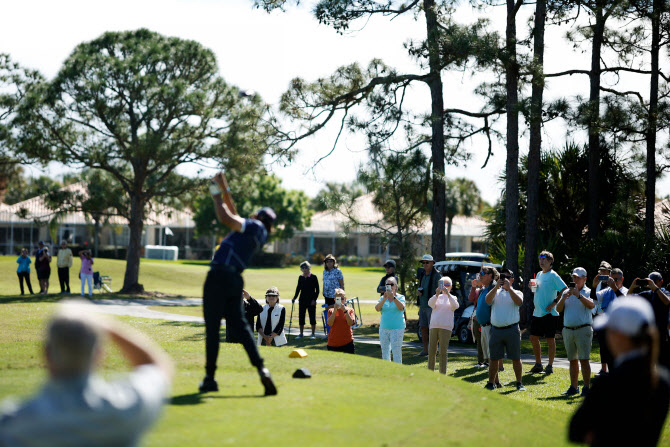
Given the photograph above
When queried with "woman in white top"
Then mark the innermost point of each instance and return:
(270, 323)
(441, 323)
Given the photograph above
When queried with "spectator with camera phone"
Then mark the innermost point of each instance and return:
(392, 322)
(443, 304)
(428, 277)
(473, 297)
(576, 305)
(308, 290)
(505, 334)
(651, 289)
(611, 289)
(340, 319)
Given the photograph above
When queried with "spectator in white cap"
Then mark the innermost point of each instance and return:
(628, 406)
(651, 289)
(576, 305)
(428, 278)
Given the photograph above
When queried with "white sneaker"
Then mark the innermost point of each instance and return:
(298, 337)
(313, 337)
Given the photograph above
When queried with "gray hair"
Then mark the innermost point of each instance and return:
(72, 344)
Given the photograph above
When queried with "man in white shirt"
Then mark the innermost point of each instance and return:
(78, 408)
(505, 333)
(576, 305)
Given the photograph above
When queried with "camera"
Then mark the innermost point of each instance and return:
(603, 278)
(388, 288)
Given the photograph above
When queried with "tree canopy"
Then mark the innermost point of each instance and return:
(138, 105)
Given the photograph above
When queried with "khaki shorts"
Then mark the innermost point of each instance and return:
(486, 330)
(578, 342)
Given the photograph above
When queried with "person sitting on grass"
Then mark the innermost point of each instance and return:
(270, 323)
(76, 407)
(505, 334)
(340, 320)
(576, 305)
(545, 317)
(392, 322)
(308, 289)
(443, 304)
(628, 406)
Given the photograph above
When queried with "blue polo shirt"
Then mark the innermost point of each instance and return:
(237, 249)
(483, 308)
(548, 285)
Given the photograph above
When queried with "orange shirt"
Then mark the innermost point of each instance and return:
(340, 332)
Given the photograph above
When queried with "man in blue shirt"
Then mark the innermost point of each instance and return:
(223, 286)
(488, 276)
(545, 316)
(610, 290)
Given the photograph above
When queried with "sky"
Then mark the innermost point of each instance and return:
(263, 52)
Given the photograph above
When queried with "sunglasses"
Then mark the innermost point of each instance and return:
(330, 260)
(390, 284)
(505, 277)
(304, 268)
(543, 257)
(482, 273)
(426, 262)
(615, 278)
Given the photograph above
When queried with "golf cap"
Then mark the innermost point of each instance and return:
(272, 291)
(579, 271)
(427, 258)
(389, 263)
(40, 243)
(266, 213)
(655, 276)
(629, 315)
(604, 265)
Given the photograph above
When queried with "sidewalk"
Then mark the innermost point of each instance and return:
(140, 308)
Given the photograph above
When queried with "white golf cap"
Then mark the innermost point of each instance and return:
(427, 258)
(628, 315)
(579, 271)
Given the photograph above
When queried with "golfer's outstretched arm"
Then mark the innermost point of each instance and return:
(224, 207)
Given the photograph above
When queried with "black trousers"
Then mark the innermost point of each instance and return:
(64, 279)
(349, 348)
(26, 276)
(302, 308)
(222, 298)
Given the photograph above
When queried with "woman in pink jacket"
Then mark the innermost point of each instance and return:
(441, 323)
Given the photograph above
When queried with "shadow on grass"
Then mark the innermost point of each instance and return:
(570, 400)
(37, 298)
(198, 398)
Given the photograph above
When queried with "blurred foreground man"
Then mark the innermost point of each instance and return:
(78, 408)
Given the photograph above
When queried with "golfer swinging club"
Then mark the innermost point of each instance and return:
(223, 286)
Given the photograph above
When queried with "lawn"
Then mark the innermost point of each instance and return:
(354, 400)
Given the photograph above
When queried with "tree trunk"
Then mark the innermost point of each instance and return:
(96, 235)
(512, 168)
(437, 126)
(534, 152)
(136, 224)
(594, 124)
(650, 190)
(450, 220)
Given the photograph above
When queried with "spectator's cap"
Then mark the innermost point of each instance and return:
(428, 258)
(630, 316)
(305, 265)
(266, 214)
(389, 263)
(655, 276)
(273, 291)
(579, 271)
(40, 243)
(605, 266)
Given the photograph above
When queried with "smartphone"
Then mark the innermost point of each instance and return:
(440, 284)
(388, 288)
(338, 300)
(603, 278)
(572, 285)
